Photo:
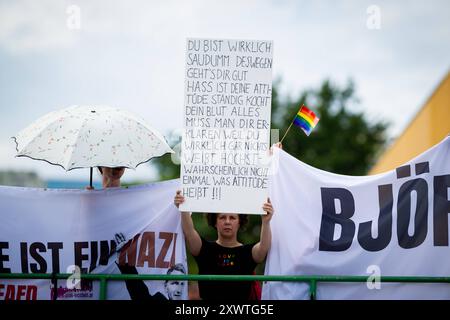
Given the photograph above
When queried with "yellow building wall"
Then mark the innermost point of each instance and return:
(429, 127)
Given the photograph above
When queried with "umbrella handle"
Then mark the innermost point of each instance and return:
(90, 179)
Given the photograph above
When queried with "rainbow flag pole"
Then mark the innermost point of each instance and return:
(305, 119)
(287, 130)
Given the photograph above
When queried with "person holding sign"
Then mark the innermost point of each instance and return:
(226, 255)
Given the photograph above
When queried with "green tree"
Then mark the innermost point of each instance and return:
(343, 141)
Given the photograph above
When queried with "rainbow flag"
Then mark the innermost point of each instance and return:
(306, 120)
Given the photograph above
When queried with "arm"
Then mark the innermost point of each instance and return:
(259, 250)
(193, 240)
(136, 288)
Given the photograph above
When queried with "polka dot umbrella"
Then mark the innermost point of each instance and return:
(91, 136)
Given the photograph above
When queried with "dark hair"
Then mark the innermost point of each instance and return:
(176, 267)
(212, 220)
(101, 171)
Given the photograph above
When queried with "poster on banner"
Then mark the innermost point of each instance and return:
(390, 224)
(226, 137)
(112, 231)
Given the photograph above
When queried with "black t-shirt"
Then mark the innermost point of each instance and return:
(215, 259)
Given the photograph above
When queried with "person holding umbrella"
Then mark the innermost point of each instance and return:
(110, 177)
(92, 136)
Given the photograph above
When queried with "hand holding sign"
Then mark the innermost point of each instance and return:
(268, 208)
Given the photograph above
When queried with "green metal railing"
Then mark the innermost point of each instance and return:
(312, 280)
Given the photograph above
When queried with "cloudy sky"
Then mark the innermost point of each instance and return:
(130, 54)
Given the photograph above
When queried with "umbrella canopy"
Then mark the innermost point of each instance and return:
(91, 136)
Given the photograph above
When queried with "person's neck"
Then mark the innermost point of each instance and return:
(228, 243)
(110, 183)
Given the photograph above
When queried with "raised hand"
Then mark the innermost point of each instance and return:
(121, 240)
(267, 207)
(276, 145)
(179, 199)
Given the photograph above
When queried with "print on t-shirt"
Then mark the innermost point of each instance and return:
(226, 259)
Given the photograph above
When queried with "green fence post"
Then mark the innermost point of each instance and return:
(312, 289)
(103, 288)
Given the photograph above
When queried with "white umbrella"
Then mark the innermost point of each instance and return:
(91, 136)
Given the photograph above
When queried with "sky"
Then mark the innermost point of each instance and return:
(131, 55)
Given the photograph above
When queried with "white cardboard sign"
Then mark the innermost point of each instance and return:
(226, 138)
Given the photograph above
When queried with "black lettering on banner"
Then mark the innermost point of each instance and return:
(412, 214)
(55, 247)
(385, 198)
(94, 256)
(403, 172)
(422, 167)
(34, 251)
(420, 187)
(106, 251)
(41, 265)
(79, 256)
(4, 257)
(441, 209)
(330, 218)
(24, 257)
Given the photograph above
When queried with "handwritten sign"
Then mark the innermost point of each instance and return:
(224, 159)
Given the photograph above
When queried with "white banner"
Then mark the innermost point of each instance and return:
(54, 230)
(224, 158)
(390, 224)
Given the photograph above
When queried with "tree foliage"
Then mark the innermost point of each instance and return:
(343, 141)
